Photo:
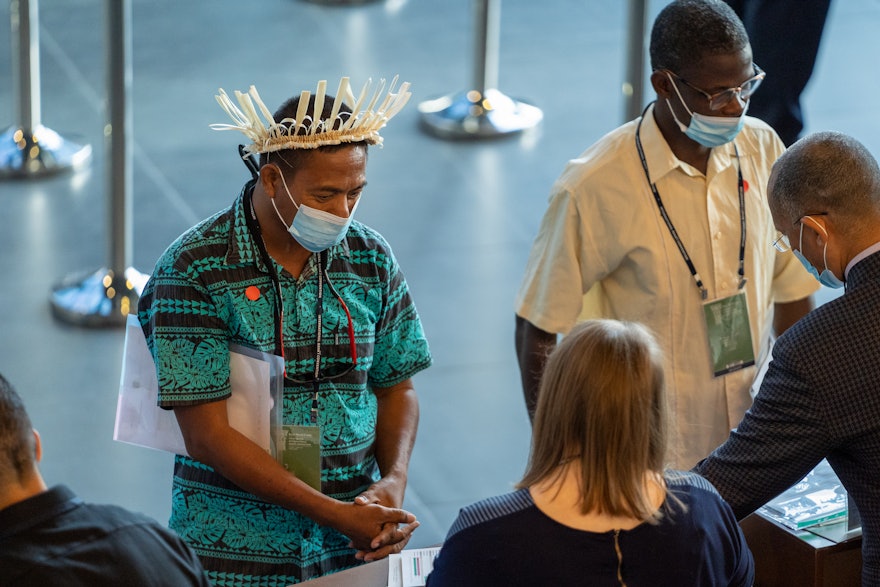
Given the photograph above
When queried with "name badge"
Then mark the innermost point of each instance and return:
(301, 453)
(730, 335)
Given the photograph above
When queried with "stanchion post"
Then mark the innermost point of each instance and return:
(118, 135)
(487, 14)
(26, 52)
(482, 111)
(27, 148)
(633, 83)
(105, 297)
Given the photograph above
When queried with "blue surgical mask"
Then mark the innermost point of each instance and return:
(709, 131)
(316, 230)
(826, 278)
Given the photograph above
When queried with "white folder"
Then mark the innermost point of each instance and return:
(254, 408)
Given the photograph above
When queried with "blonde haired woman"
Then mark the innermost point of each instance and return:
(595, 506)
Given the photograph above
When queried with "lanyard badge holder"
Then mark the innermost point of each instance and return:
(727, 319)
(300, 445)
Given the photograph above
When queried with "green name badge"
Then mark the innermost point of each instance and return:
(730, 335)
(302, 453)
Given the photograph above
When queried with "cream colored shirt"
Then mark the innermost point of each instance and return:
(602, 235)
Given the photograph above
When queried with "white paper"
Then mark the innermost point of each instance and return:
(140, 421)
(250, 403)
(411, 567)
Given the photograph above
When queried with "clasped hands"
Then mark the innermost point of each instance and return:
(382, 528)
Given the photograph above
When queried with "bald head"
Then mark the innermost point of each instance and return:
(827, 172)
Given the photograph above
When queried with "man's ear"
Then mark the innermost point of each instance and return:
(38, 447)
(661, 83)
(269, 176)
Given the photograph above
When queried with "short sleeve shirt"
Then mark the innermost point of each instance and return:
(212, 288)
(603, 250)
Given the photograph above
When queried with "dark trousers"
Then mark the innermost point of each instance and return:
(785, 37)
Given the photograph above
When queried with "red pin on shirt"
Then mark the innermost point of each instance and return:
(252, 293)
(745, 186)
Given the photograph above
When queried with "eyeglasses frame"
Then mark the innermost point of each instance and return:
(736, 92)
(782, 243)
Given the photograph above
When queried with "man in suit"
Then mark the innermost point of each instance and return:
(820, 397)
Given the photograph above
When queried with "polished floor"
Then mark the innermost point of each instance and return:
(460, 215)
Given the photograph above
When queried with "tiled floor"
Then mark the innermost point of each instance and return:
(460, 215)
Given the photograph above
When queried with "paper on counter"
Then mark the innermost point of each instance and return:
(411, 567)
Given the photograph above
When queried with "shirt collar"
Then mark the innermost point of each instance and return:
(866, 253)
(34, 510)
(243, 247)
(661, 160)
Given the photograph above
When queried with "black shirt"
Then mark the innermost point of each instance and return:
(55, 539)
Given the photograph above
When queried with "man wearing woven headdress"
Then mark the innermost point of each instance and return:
(286, 270)
(664, 221)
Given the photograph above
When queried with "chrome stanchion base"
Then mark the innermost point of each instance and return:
(25, 153)
(98, 299)
(472, 115)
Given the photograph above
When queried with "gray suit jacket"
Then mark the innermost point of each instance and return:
(819, 398)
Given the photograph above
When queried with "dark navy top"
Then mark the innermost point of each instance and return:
(507, 540)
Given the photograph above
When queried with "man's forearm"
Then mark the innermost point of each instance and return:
(532, 347)
(397, 422)
(209, 439)
(786, 314)
(212, 441)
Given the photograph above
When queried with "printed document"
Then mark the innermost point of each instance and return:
(411, 567)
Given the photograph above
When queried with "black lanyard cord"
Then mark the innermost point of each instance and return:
(319, 315)
(256, 234)
(323, 262)
(678, 242)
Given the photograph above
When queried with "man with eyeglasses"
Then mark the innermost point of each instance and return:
(664, 221)
(287, 270)
(820, 397)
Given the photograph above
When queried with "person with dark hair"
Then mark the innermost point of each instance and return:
(287, 270)
(820, 397)
(664, 221)
(48, 536)
(596, 505)
(772, 25)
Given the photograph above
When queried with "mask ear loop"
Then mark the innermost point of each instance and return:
(825, 232)
(680, 124)
(801, 239)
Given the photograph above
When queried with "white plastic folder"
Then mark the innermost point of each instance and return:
(254, 408)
